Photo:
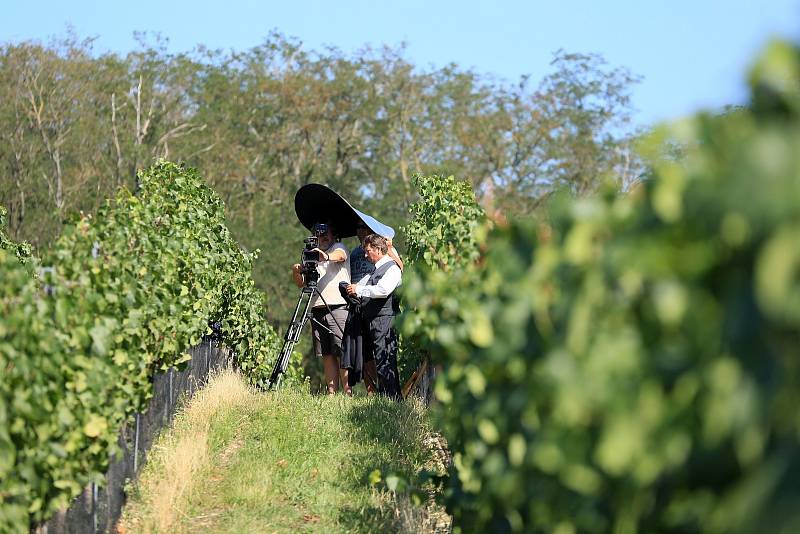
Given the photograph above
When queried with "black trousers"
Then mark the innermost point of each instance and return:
(382, 339)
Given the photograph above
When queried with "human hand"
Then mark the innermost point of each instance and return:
(296, 268)
(351, 290)
(323, 256)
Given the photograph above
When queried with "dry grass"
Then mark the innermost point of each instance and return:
(171, 475)
(180, 462)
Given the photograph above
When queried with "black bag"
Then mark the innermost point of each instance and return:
(352, 300)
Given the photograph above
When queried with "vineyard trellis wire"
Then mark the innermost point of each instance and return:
(97, 508)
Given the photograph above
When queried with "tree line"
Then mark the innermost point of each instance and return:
(76, 125)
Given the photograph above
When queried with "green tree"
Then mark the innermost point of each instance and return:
(76, 125)
(570, 132)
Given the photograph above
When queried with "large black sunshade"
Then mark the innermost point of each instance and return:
(315, 203)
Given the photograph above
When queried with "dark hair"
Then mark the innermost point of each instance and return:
(377, 242)
(330, 226)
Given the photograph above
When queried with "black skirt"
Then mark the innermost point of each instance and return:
(356, 346)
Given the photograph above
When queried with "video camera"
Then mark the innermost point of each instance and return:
(311, 257)
(309, 254)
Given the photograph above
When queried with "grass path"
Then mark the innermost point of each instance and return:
(236, 460)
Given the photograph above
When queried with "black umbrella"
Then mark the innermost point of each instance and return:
(315, 203)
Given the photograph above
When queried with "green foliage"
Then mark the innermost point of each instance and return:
(129, 291)
(570, 133)
(296, 373)
(443, 235)
(632, 364)
(75, 125)
(444, 228)
(21, 250)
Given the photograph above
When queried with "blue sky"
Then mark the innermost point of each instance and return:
(692, 54)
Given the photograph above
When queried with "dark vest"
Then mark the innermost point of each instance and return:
(383, 306)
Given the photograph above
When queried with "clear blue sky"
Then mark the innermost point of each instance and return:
(692, 54)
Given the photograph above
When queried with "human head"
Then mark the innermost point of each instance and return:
(326, 234)
(377, 242)
(362, 231)
(375, 247)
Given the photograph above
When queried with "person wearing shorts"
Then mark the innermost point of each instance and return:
(326, 329)
(328, 307)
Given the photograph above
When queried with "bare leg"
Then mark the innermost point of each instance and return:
(331, 365)
(371, 377)
(345, 385)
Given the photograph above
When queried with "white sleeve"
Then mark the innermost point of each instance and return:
(385, 285)
(339, 246)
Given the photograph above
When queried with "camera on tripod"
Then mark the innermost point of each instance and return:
(309, 254)
(313, 203)
(311, 257)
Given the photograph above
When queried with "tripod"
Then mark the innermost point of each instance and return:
(296, 325)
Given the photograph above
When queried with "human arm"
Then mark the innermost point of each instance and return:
(392, 253)
(384, 287)
(297, 276)
(338, 254)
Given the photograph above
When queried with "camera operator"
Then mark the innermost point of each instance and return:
(328, 313)
(378, 308)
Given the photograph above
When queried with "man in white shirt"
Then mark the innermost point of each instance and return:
(378, 309)
(358, 363)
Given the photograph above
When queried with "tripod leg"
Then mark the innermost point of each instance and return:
(292, 337)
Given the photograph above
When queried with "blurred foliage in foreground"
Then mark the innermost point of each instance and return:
(631, 363)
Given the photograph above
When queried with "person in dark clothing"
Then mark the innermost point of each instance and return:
(358, 359)
(377, 310)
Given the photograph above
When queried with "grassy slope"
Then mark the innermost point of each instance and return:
(241, 461)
